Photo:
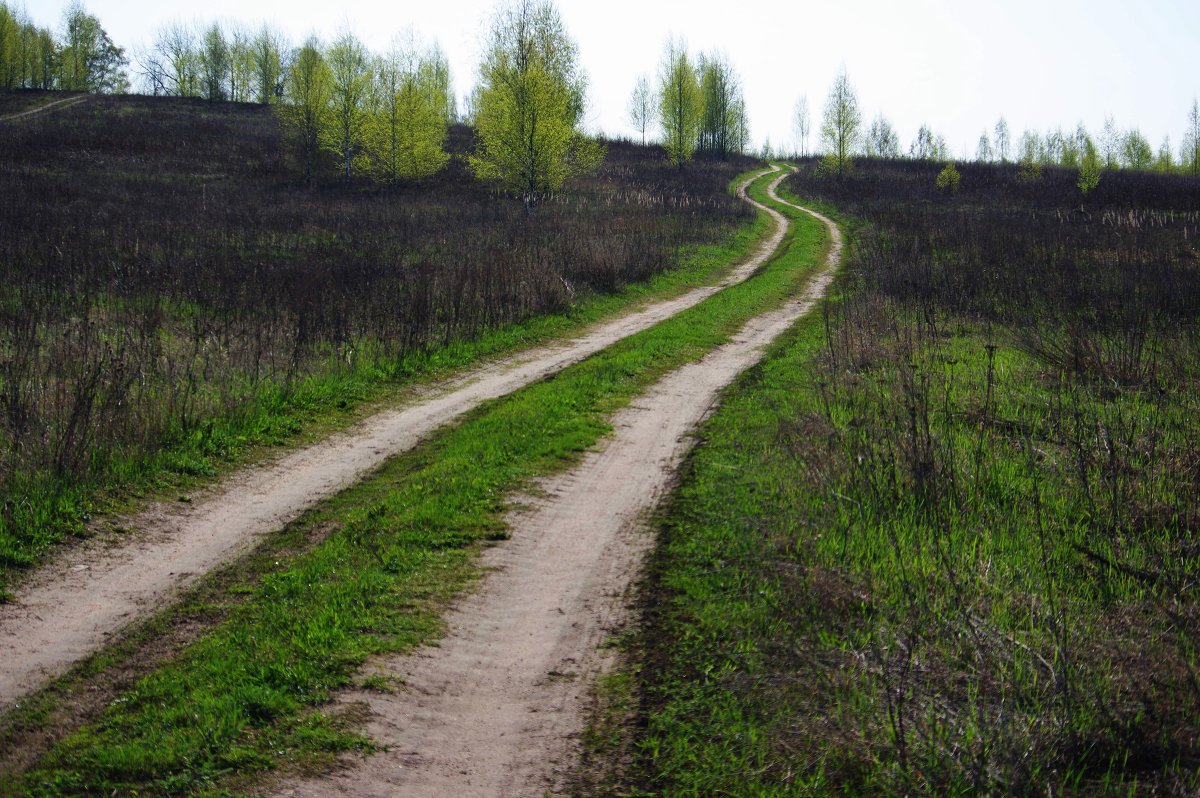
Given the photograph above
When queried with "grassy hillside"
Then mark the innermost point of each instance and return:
(236, 681)
(171, 294)
(944, 541)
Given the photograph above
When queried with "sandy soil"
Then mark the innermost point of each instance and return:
(92, 591)
(496, 708)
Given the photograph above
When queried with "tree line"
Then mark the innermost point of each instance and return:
(386, 116)
(698, 103)
(79, 57)
(843, 136)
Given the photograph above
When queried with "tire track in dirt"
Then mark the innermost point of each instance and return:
(93, 591)
(57, 105)
(496, 707)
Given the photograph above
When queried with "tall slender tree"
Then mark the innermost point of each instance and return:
(41, 53)
(1189, 155)
(882, 140)
(983, 151)
(842, 121)
(436, 67)
(801, 125)
(267, 53)
(1003, 140)
(89, 60)
(407, 134)
(642, 112)
(344, 134)
(679, 103)
(530, 103)
(1136, 151)
(241, 65)
(1090, 167)
(1164, 162)
(214, 63)
(719, 95)
(10, 39)
(307, 105)
(928, 146)
(1111, 142)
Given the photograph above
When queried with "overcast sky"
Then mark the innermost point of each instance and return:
(956, 65)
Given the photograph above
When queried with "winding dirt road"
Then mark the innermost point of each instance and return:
(495, 708)
(72, 606)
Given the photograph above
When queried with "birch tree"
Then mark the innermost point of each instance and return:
(345, 129)
(10, 60)
(801, 124)
(407, 135)
(306, 109)
(679, 103)
(214, 63)
(1090, 167)
(719, 101)
(1003, 140)
(983, 151)
(1111, 142)
(882, 140)
(641, 106)
(89, 60)
(241, 65)
(1189, 155)
(436, 67)
(529, 105)
(267, 53)
(840, 130)
(1165, 161)
(1136, 152)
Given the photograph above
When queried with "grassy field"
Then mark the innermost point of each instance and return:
(367, 573)
(943, 541)
(172, 297)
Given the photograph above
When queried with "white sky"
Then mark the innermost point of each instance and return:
(956, 65)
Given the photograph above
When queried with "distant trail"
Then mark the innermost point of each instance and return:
(57, 105)
(494, 708)
(72, 606)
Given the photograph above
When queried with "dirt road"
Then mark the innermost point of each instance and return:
(494, 709)
(73, 605)
(57, 105)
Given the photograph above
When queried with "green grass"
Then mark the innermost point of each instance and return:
(885, 573)
(47, 511)
(248, 696)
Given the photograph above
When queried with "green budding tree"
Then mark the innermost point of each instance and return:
(307, 108)
(840, 130)
(529, 105)
(679, 104)
(407, 134)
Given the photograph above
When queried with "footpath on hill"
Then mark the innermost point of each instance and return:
(56, 105)
(497, 706)
(82, 599)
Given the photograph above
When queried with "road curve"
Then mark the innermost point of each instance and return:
(94, 590)
(495, 707)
